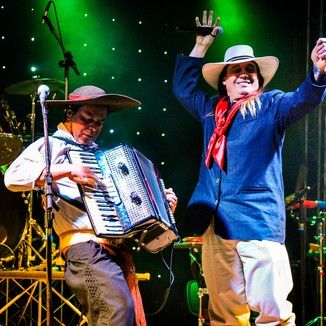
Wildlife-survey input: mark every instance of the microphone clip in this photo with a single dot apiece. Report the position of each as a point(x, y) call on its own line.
point(296, 199)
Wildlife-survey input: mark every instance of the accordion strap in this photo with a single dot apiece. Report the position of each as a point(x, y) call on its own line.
point(72, 202)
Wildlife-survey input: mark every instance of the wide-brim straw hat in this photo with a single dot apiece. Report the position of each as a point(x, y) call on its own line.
point(92, 95)
point(237, 54)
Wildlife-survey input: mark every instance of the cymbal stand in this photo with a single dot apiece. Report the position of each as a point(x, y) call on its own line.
point(28, 200)
point(321, 239)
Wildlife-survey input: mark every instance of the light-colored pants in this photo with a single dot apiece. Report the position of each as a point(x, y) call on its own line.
point(246, 275)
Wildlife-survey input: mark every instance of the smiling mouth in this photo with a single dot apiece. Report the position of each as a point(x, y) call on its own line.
point(244, 82)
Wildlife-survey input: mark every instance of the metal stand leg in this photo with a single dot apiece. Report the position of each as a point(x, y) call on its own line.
point(32, 253)
point(201, 293)
point(321, 240)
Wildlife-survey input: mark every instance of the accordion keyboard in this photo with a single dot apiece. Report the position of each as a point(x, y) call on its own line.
point(100, 201)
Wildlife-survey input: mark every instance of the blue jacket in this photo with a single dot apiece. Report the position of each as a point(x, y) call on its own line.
point(247, 198)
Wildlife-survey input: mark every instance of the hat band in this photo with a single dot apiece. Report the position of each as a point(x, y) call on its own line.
point(241, 57)
point(78, 97)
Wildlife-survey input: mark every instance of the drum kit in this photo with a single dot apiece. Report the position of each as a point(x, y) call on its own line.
point(18, 227)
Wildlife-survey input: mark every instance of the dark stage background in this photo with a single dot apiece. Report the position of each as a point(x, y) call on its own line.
point(129, 47)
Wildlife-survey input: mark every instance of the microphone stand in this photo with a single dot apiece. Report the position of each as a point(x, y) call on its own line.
point(298, 199)
point(303, 241)
point(48, 215)
point(321, 273)
point(68, 61)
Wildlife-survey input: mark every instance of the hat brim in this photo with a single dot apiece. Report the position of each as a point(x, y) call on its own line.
point(114, 102)
point(267, 65)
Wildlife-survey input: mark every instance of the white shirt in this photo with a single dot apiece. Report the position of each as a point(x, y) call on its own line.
point(29, 165)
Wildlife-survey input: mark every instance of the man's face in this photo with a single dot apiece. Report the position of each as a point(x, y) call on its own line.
point(241, 79)
point(86, 124)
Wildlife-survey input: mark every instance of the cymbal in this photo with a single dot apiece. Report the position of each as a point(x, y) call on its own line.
point(29, 87)
point(10, 147)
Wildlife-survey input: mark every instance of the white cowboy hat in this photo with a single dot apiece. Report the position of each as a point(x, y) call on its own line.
point(92, 95)
point(238, 54)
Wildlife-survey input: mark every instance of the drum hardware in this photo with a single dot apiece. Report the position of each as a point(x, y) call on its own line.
point(196, 286)
point(295, 204)
point(11, 143)
point(320, 237)
point(9, 117)
point(8, 259)
point(29, 87)
point(32, 225)
point(11, 146)
point(3, 234)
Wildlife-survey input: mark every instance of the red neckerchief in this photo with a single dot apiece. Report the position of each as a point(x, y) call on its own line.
point(217, 143)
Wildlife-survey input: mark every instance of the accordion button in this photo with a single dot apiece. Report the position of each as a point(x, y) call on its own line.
point(135, 199)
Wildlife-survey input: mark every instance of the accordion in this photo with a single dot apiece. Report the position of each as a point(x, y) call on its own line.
point(131, 202)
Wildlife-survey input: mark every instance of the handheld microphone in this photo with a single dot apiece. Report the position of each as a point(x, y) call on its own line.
point(292, 200)
point(199, 30)
point(46, 11)
point(43, 92)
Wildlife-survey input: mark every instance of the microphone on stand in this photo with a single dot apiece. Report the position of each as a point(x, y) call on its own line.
point(43, 92)
point(46, 11)
point(199, 30)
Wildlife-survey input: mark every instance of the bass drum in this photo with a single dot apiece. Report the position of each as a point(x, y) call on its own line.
point(13, 220)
